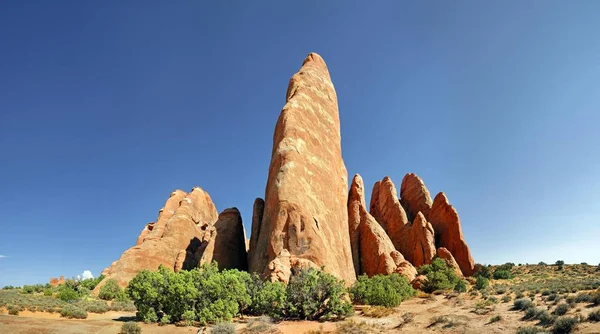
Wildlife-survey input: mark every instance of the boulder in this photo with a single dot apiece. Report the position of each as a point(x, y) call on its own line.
point(448, 233)
point(418, 282)
point(305, 214)
point(414, 196)
point(172, 242)
point(445, 255)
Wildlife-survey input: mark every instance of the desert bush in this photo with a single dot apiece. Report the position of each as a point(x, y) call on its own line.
point(13, 309)
point(382, 290)
point(481, 283)
point(354, 327)
point(378, 311)
point(561, 309)
point(530, 330)
point(482, 270)
point(131, 327)
point(260, 325)
point(223, 328)
point(460, 286)
point(71, 311)
point(522, 304)
point(500, 289)
point(188, 317)
point(122, 306)
point(29, 289)
point(506, 298)
point(165, 320)
point(67, 293)
point(94, 306)
point(110, 290)
point(502, 274)
point(552, 296)
point(594, 316)
point(495, 319)
point(266, 297)
point(90, 283)
point(519, 295)
point(314, 294)
point(564, 325)
point(439, 276)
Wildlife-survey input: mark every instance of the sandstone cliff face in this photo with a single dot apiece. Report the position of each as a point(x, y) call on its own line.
point(186, 226)
point(305, 212)
point(414, 196)
point(371, 246)
point(448, 233)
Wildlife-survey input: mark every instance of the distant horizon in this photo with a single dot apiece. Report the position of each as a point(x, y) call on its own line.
point(107, 108)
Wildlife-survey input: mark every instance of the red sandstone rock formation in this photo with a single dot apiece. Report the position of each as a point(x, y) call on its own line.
point(305, 212)
point(414, 196)
point(444, 254)
point(422, 241)
point(448, 233)
point(57, 281)
point(372, 250)
point(415, 241)
point(184, 229)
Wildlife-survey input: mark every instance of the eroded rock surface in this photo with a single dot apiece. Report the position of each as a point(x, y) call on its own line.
point(445, 255)
point(179, 229)
point(448, 233)
point(414, 196)
point(422, 242)
point(305, 213)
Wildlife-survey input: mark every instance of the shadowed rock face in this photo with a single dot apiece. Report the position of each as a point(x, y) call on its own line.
point(226, 242)
point(448, 233)
point(304, 223)
point(422, 241)
point(257, 216)
point(186, 226)
point(371, 246)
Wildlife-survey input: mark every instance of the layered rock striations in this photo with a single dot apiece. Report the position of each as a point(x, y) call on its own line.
point(305, 217)
point(186, 227)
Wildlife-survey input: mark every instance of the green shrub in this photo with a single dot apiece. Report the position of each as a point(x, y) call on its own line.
point(223, 328)
point(594, 316)
point(70, 311)
point(188, 317)
point(67, 293)
point(564, 325)
point(506, 298)
point(482, 270)
point(266, 297)
point(502, 274)
point(522, 304)
point(481, 283)
point(381, 290)
point(91, 283)
point(439, 276)
point(110, 290)
point(131, 327)
point(314, 294)
point(561, 309)
point(48, 292)
point(165, 320)
point(13, 310)
point(150, 316)
point(460, 286)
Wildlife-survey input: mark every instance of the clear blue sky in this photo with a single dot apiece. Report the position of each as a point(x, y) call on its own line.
point(106, 107)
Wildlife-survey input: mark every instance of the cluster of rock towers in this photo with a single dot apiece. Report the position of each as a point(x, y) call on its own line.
point(308, 218)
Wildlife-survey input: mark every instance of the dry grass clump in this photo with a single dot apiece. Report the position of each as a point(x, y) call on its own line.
point(378, 312)
point(354, 327)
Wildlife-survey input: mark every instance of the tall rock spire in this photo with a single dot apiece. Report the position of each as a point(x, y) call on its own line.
point(304, 223)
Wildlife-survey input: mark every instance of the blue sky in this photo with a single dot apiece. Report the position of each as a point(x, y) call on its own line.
point(106, 107)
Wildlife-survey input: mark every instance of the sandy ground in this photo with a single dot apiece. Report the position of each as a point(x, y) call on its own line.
point(424, 310)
